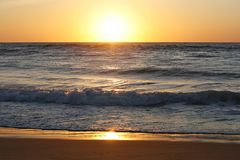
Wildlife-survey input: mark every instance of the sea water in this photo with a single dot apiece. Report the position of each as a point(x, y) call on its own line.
point(137, 87)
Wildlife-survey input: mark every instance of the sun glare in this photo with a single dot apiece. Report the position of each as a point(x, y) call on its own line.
point(111, 136)
point(112, 29)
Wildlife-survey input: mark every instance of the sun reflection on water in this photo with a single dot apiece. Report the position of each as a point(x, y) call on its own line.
point(112, 136)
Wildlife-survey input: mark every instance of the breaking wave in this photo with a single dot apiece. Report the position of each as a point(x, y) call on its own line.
point(112, 98)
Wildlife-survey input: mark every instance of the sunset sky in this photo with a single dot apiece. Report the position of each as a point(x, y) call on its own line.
point(120, 20)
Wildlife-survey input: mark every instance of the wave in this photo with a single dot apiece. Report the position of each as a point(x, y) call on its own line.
point(202, 56)
point(99, 97)
point(172, 72)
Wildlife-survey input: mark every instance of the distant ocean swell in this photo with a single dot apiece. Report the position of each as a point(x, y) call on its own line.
point(111, 98)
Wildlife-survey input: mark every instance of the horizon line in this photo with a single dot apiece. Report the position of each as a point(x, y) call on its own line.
point(119, 42)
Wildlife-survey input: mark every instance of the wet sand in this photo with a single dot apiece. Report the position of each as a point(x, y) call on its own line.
point(58, 149)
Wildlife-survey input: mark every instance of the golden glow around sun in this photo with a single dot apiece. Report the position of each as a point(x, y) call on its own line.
point(112, 28)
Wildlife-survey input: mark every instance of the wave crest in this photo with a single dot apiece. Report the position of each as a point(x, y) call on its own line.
point(111, 98)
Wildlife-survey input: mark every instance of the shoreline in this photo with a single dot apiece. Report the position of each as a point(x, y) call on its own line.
point(6, 132)
point(28, 144)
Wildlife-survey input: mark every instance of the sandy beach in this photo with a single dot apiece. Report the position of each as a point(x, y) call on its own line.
point(53, 149)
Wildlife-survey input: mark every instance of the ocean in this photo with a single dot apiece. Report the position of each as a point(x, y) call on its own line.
point(132, 87)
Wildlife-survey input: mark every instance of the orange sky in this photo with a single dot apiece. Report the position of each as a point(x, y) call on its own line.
point(144, 20)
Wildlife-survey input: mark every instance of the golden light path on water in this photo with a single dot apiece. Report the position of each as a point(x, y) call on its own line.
point(112, 136)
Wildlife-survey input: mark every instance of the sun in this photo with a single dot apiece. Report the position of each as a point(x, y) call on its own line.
point(112, 28)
